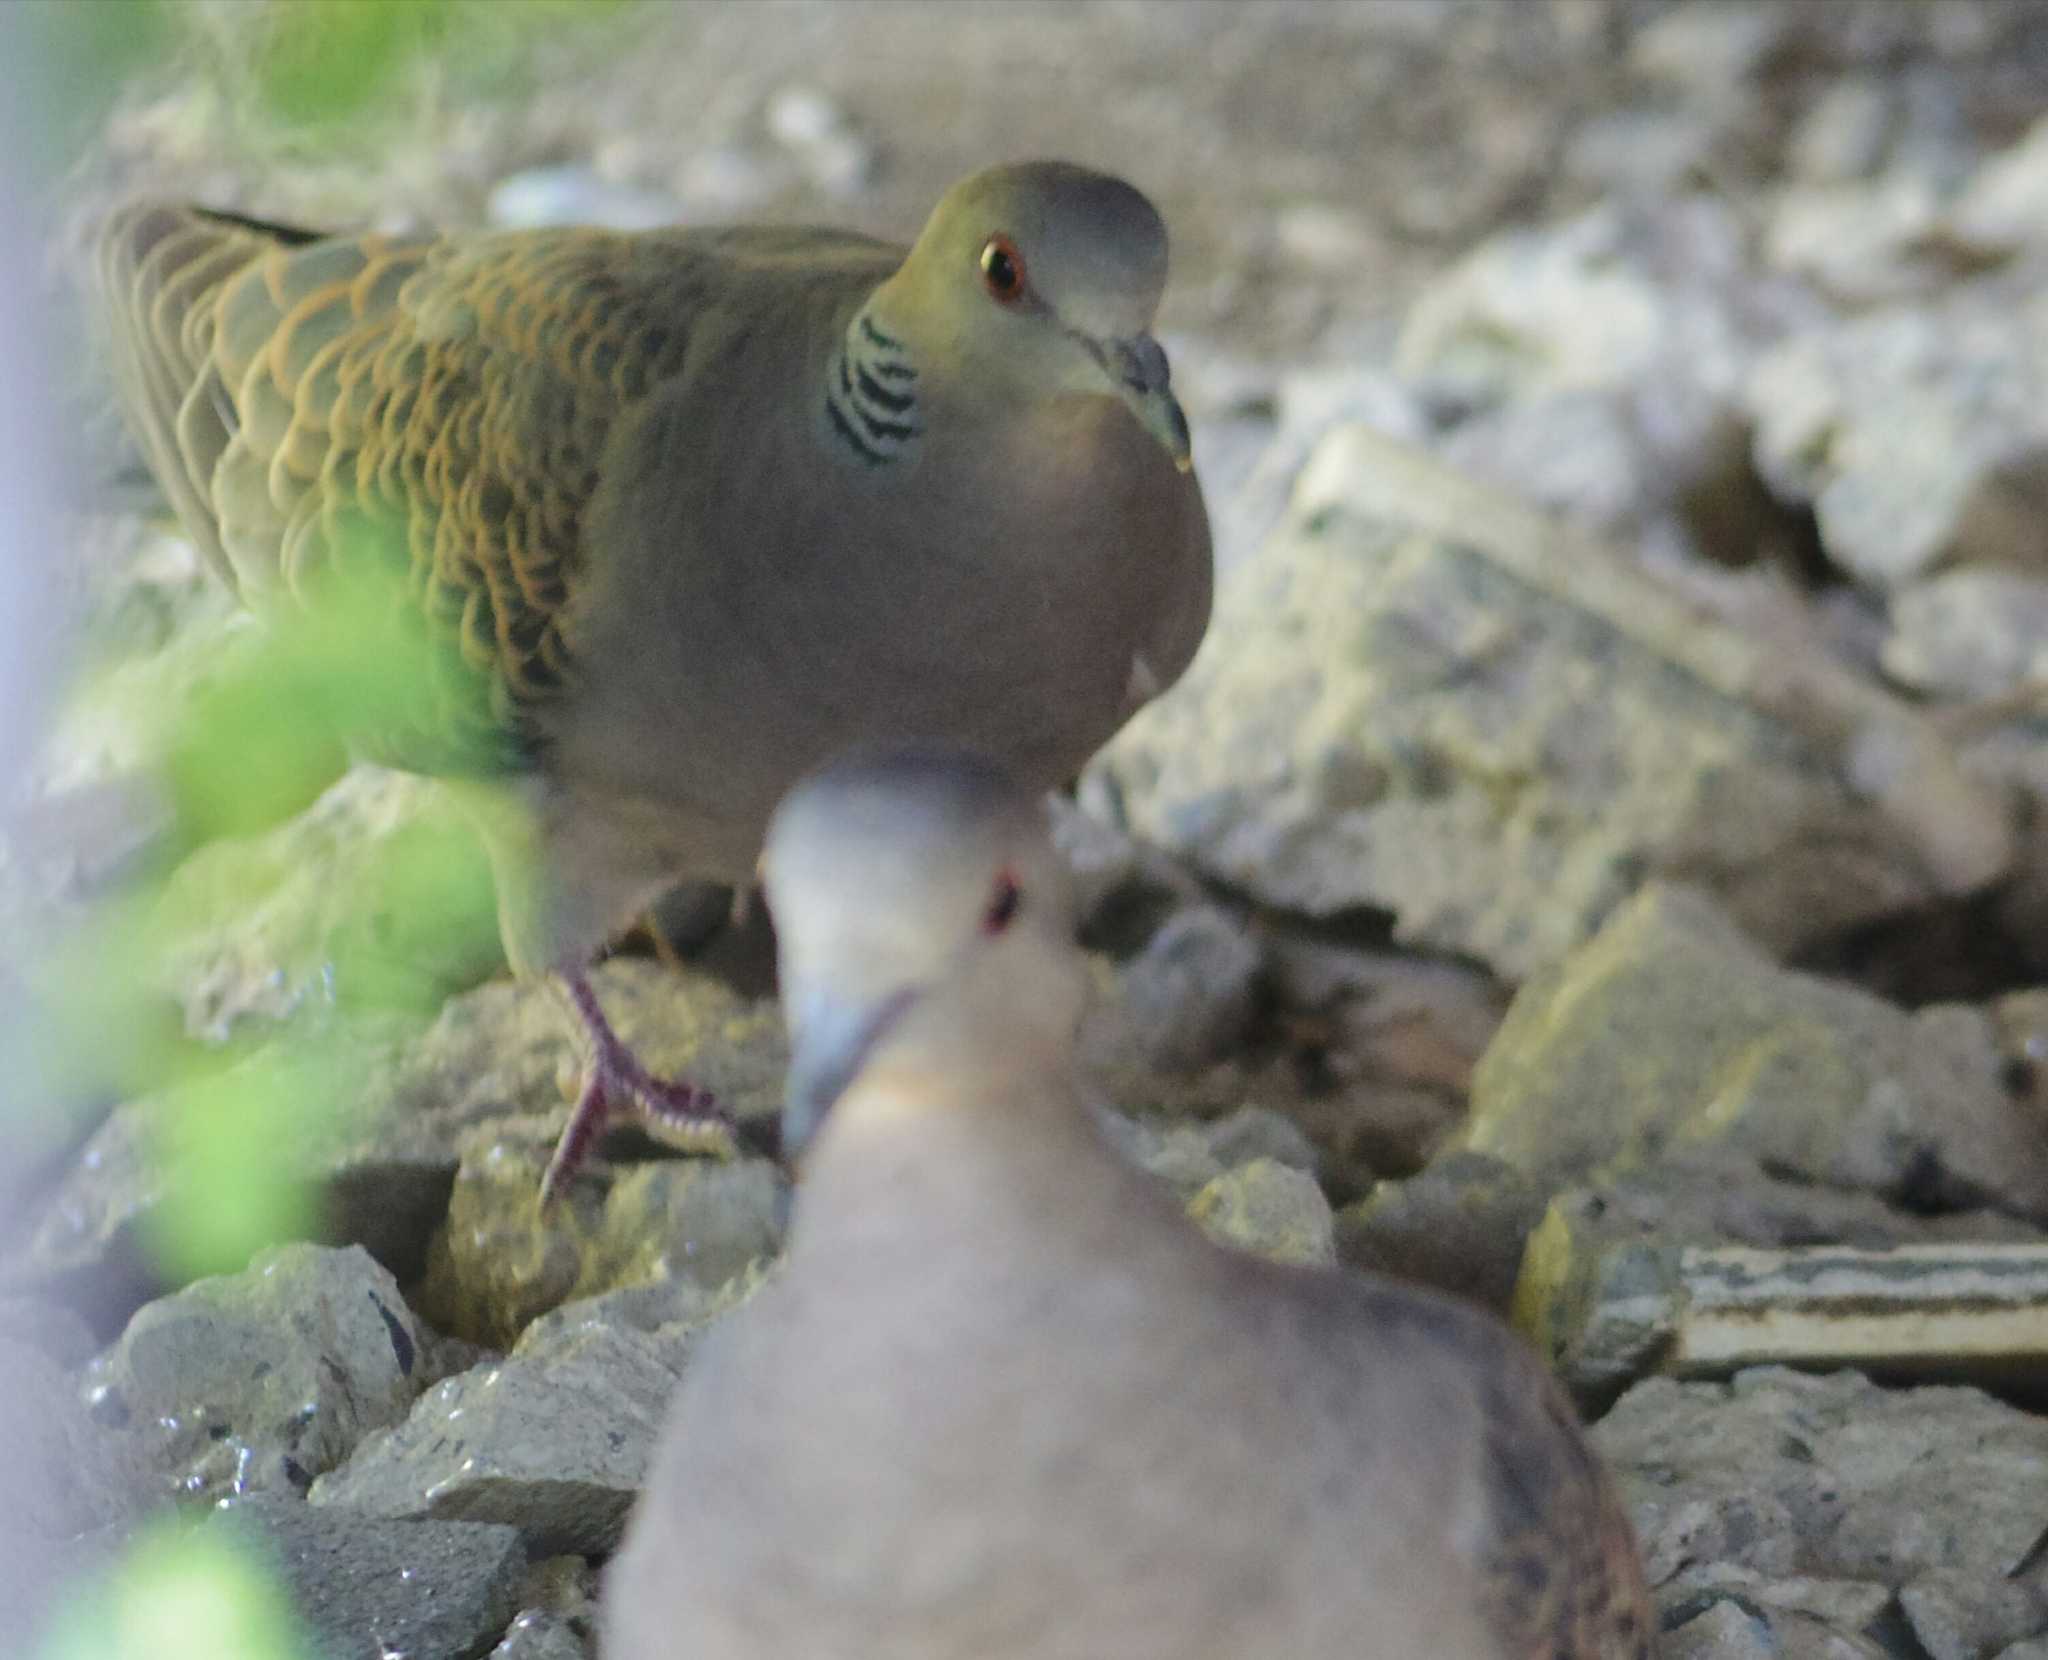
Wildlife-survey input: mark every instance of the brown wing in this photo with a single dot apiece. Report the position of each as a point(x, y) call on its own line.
point(429, 413)
point(1562, 1576)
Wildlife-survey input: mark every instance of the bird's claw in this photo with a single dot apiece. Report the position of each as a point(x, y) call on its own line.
point(619, 1083)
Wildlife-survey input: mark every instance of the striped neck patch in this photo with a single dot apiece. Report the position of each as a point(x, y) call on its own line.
point(871, 395)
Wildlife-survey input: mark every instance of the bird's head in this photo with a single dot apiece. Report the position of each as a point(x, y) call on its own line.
point(1043, 278)
point(922, 916)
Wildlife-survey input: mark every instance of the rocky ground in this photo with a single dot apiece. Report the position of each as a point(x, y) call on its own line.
point(1597, 863)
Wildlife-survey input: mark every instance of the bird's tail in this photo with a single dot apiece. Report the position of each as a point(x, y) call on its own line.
point(161, 268)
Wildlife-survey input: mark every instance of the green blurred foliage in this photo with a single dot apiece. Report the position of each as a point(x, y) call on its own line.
point(230, 1187)
point(343, 666)
point(319, 62)
point(179, 1595)
point(297, 71)
point(273, 727)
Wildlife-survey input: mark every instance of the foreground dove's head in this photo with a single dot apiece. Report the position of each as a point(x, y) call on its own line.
point(921, 917)
point(1042, 278)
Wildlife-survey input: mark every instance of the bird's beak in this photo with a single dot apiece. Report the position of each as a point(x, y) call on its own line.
point(830, 1042)
point(1139, 365)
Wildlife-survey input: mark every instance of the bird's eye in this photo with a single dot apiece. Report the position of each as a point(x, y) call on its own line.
point(1002, 904)
point(1002, 269)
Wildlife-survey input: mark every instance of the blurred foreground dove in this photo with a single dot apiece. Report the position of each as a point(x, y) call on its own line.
point(1003, 1402)
point(673, 516)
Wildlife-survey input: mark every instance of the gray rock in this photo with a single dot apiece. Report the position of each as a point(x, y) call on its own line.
point(2034, 1648)
point(1686, 1267)
point(1730, 1625)
point(1958, 1615)
point(1586, 451)
point(1178, 1154)
point(1387, 1043)
point(539, 1635)
point(552, 1442)
point(379, 1112)
point(1726, 1630)
point(1371, 1075)
point(2005, 207)
point(1713, 49)
point(1260, 1133)
point(1866, 242)
point(1875, 169)
point(1386, 720)
point(1711, 1195)
point(1126, 890)
point(1190, 995)
point(1973, 632)
point(1790, 1476)
point(258, 1382)
point(1658, 297)
point(369, 1587)
point(1325, 237)
point(1270, 1209)
point(64, 1475)
point(1647, 150)
point(1115, 1057)
point(1309, 401)
point(510, 1048)
point(1919, 434)
point(498, 1262)
point(323, 1122)
point(657, 1308)
point(1187, 1157)
point(563, 1586)
point(1459, 1227)
point(1847, 1604)
point(1671, 1029)
point(159, 624)
point(377, 896)
point(1845, 133)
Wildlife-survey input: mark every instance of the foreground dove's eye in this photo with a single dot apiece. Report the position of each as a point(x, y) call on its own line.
point(1002, 904)
point(1002, 268)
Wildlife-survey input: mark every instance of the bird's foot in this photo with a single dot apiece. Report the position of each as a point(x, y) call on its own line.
point(616, 1082)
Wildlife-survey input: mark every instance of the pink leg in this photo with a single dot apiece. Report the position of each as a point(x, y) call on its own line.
point(616, 1081)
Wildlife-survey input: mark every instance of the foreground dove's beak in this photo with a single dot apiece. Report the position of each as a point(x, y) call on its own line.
point(1146, 383)
point(830, 1041)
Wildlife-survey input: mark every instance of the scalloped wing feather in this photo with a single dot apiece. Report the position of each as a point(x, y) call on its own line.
point(432, 412)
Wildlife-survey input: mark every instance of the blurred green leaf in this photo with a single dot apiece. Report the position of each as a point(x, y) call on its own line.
point(181, 1595)
point(321, 60)
point(249, 733)
point(234, 1179)
point(311, 67)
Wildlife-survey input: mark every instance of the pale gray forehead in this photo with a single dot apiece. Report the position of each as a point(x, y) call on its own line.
point(922, 814)
point(1095, 247)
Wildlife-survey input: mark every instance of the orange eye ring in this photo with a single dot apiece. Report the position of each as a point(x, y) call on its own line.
point(1002, 270)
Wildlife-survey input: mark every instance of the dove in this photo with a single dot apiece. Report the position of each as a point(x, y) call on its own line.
point(673, 516)
point(1000, 1399)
